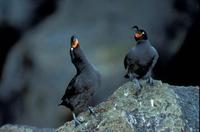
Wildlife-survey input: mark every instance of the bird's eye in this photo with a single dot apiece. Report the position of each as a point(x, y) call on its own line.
point(142, 32)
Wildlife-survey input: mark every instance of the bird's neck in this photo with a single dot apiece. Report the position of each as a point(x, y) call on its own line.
point(142, 42)
point(82, 62)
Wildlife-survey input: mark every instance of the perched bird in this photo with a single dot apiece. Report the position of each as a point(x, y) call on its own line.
point(80, 90)
point(141, 59)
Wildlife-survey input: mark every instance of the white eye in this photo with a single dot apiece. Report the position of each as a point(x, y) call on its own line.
point(142, 32)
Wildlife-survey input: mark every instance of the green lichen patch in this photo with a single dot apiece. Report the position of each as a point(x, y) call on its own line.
point(155, 109)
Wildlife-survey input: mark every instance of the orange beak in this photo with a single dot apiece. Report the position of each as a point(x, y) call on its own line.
point(75, 43)
point(138, 35)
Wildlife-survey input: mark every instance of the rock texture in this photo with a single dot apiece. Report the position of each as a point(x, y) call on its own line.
point(159, 108)
point(188, 99)
point(16, 128)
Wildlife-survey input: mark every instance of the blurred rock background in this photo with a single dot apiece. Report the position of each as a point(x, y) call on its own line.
point(35, 65)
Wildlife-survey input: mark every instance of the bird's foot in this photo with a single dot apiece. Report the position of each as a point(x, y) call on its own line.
point(133, 78)
point(91, 110)
point(150, 81)
point(138, 86)
point(76, 121)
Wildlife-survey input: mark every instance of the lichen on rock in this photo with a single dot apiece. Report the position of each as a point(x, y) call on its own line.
point(158, 108)
point(155, 109)
point(20, 128)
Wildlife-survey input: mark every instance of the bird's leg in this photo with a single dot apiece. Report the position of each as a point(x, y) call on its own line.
point(136, 83)
point(148, 75)
point(76, 121)
point(130, 77)
point(138, 86)
point(150, 81)
point(148, 78)
point(91, 110)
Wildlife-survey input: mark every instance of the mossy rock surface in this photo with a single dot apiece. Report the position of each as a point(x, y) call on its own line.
point(158, 108)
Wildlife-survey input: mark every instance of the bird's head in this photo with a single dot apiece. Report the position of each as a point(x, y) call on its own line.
point(74, 42)
point(139, 34)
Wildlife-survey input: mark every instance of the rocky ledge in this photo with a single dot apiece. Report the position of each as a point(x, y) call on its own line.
point(162, 108)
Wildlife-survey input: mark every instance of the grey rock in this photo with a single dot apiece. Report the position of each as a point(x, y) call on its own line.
point(159, 108)
point(17, 128)
point(189, 102)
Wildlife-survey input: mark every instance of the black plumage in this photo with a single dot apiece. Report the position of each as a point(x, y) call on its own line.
point(80, 90)
point(141, 59)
